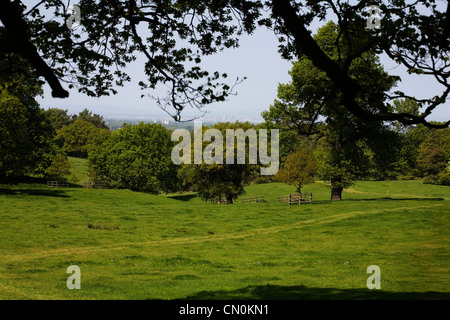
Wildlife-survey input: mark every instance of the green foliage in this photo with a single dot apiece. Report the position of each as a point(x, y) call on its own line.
point(410, 141)
point(75, 138)
point(222, 181)
point(95, 61)
point(311, 104)
point(26, 138)
point(136, 157)
point(27, 145)
point(299, 168)
point(21, 81)
point(341, 173)
point(414, 36)
point(219, 181)
point(434, 157)
point(58, 117)
point(14, 143)
point(95, 119)
point(173, 45)
point(59, 167)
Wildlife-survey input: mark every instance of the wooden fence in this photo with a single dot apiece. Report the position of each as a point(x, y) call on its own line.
point(296, 198)
point(90, 184)
point(253, 199)
point(57, 184)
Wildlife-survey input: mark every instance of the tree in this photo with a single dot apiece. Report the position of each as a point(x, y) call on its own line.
point(174, 36)
point(341, 171)
point(95, 119)
point(299, 168)
point(434, 157)
point(75, 138)
point(26, 144)
point(419, 41)
point(60, 166)
point(222, 181)
point(219, 181)
point(15, 146)
point(26, 138)
point(410, 141)
point(310, 104)
point(136, 157)
point(20, 85)
point(58, 117)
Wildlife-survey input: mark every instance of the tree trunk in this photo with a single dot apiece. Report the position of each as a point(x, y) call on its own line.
point(336, 188)
point(336, 193)
point(229, 199)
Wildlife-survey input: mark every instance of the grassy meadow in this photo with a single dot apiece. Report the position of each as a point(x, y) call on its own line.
point(132, 245)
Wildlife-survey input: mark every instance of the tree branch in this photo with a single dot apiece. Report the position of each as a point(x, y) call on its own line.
point(305, 44)
point(17, 34)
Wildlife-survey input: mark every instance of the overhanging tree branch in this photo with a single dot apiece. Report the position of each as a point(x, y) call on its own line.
point(17, 36)
point(305, 44)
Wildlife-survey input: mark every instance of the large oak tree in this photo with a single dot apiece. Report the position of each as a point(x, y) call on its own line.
point(312, 104)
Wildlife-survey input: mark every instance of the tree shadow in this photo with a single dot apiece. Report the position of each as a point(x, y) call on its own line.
point(397, 199)
point(35, 192)
point(377, 199)
point(184, 197)
point(275, 292)
point(22, 179)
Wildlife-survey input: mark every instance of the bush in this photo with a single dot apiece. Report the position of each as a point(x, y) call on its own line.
point(136, 157)
point(59, 167)
point(444, 178)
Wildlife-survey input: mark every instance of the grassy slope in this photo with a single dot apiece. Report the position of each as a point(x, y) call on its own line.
point(78, 170)
point(137, 246)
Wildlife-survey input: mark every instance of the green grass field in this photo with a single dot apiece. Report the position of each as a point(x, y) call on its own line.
point(131, 245)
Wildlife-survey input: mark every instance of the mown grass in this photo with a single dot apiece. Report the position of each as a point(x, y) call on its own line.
point(131, 245)
point(78, 171)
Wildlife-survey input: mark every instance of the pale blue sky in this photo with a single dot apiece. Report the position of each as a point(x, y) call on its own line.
point(257, 59)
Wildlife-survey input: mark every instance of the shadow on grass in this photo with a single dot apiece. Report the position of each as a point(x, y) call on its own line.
point(378, 199)
point(397, 199)
point(35, 192)
point(24, 179)
point(274, 292)
point(184, 197)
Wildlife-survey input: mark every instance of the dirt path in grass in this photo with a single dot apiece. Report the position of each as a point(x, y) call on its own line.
point(39, 254)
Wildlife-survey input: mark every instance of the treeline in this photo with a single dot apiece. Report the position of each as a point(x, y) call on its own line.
point(319, 137)
point(36, 142)
point(310, 114)
point(138, 157)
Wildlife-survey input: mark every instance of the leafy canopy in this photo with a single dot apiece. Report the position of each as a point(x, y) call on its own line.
point(136, 157)
point(299, 168)
point(174, 36)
